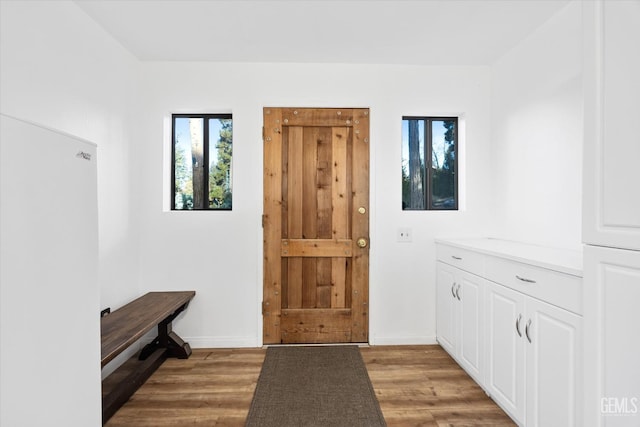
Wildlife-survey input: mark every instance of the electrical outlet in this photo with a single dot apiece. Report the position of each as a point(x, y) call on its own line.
point(404, 234)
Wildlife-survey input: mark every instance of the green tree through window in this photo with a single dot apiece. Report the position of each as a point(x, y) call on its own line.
point(429, 163)
point(220, 171)
point(202, 162)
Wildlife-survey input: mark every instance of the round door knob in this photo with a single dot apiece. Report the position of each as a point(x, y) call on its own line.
point(362, 242)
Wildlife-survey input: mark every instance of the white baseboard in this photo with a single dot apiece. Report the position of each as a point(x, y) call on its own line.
point(222, 342)
point(408, 340)
point(243, 342)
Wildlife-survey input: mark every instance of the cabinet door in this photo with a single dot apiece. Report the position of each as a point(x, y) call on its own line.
point(446, 306)
point(470, 339)
point(505, 374)
point(554, 389)
point(611, 346)
point(611, 208)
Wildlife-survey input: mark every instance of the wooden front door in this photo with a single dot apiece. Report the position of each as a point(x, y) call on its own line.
point(316, 225)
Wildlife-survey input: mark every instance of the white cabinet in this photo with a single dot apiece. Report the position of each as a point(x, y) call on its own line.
point(460, 317)
point(470, 294)
point(612, 344)
point(611, 214)
point(553, 365)
point(446, 306)
point(505, 376)
point(515, 325)
point(533, 347)
point(50, 302)
point(611, 209)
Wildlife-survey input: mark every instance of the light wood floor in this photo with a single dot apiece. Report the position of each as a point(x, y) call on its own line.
point(415, 385)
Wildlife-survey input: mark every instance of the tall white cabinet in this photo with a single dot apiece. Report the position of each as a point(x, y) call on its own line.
point(612, 128)
point(612, 337)
point(49, 298)
point(611, 213)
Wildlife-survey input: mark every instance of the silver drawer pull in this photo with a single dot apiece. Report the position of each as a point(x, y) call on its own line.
point(526, 330)
point(452, 291)
point(456, 257)
point(524, 279)
point(458, 292)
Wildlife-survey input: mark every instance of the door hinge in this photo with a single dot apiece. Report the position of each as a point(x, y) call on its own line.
point(263, 221)
point(262, 133)
point(264, 307)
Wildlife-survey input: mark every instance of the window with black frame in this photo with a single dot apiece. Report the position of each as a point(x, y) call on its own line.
point(429, 163)
point(201, 169)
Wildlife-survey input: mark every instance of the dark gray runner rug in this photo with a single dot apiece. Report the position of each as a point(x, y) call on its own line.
point(314, 386)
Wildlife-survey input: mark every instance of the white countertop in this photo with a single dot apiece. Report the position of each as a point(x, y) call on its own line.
point(562, 260)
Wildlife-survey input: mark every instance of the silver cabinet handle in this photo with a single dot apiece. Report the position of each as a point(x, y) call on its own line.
point(518, 325)
point(456, 257)
point(458, 292)
point(452, 291)
point(526, 330)
point(524, 279)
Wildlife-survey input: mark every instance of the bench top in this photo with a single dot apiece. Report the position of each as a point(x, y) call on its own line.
point(130, 322)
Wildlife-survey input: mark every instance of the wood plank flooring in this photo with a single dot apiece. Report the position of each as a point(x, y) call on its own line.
point(415, 385)
point(424, 386)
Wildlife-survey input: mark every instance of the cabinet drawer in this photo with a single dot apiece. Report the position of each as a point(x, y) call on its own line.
point(560, 289)
point(473, 262)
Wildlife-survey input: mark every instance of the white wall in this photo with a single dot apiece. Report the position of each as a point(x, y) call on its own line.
point(219, 254)
point(537, 135)
point(59, 69)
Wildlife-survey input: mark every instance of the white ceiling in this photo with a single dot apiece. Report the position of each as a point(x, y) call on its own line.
point(421, 32)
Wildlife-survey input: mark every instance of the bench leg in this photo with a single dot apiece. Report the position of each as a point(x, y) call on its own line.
point(117, 389)
point(169, 340)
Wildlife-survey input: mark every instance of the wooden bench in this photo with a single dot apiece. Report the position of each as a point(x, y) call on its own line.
point(128, 324)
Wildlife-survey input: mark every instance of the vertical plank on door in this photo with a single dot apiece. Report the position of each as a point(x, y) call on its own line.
point(294, 206)
point(284, 299)
point(340, 215)
point(309, 213)
point(324, 215)
point(360, 227)
point(349, 196)
point(272, 221)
